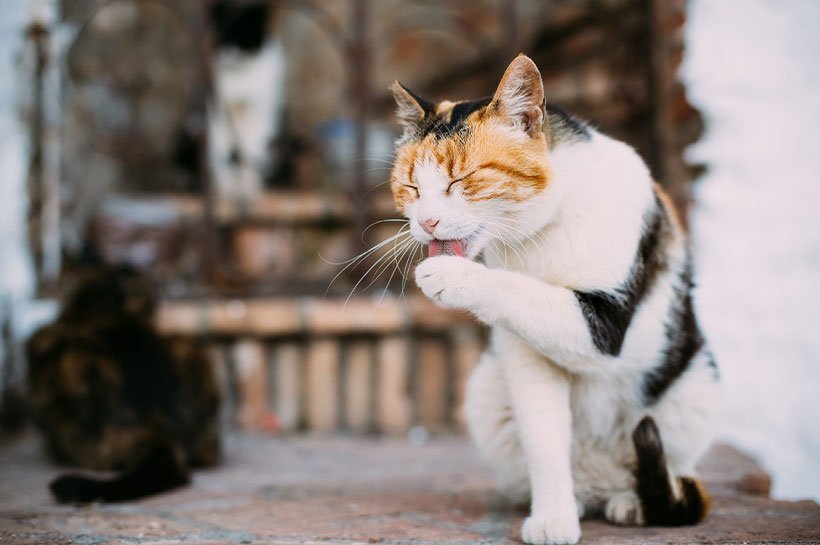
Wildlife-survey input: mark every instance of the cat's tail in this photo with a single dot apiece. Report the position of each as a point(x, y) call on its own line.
point(665, 502)
point(159, 470)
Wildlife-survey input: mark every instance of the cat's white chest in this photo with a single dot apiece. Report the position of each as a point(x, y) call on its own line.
point(603, 417)
point(601, 404)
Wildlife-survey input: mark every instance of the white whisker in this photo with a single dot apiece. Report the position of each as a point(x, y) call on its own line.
point(397, 267)
point(353, 262)
point(388, 220)
point(378, 261)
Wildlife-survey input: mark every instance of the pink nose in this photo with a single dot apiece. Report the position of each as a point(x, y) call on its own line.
point(429, 225)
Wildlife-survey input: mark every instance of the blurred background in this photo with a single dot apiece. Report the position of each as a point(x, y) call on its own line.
point(236, 151)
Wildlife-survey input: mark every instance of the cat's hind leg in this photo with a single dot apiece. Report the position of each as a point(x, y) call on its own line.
point(492, 426)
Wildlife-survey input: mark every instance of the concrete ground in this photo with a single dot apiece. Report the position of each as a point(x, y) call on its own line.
point(306, 490)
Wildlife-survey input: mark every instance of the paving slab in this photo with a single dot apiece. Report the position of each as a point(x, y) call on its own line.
point(305, 490)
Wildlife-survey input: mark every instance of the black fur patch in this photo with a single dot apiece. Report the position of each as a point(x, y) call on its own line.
point(608, 315)
point(607, 318)
point(428, 107)
point(564, 127)
point(683, 341)
point(654, 488)
point(240, 25)
point(442, 126)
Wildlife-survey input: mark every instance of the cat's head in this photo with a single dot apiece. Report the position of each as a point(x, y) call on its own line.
point(109, 293)
point(469, 172)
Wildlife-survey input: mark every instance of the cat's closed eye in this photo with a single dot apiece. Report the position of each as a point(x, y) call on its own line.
point(412, 188)
point(451, 184)
point(457, 180)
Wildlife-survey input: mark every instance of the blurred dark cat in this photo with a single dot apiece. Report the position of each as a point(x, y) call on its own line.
point(110, 394)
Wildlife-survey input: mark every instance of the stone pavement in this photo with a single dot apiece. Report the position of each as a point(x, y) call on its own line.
point(305, 490)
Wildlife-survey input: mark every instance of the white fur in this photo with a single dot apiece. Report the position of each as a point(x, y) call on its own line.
point(248, 98)
point(551, 413)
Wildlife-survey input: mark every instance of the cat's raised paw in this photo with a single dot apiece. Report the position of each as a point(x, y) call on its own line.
point(551, 529)
point(451, 281)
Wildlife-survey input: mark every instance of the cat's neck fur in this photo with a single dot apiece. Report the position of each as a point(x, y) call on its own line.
point(591, 209)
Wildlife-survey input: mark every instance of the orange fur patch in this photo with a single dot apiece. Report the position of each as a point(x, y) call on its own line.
point(494, 162)
point(669, 206)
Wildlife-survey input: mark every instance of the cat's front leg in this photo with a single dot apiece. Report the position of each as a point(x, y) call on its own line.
point(539, 391)
point(546, 316)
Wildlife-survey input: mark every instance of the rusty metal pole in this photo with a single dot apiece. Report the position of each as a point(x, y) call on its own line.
point(359, 66)
point(39, 36)
point(509, 16)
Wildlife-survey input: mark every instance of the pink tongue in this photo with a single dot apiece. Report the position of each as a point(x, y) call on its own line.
point(446, 247)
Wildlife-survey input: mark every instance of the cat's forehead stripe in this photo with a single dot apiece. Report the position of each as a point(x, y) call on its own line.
point(449, 117)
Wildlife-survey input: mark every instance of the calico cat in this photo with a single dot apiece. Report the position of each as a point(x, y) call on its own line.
point(597, 393)
point(109, 393)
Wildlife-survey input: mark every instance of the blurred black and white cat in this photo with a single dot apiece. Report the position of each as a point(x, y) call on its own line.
point(249, 93)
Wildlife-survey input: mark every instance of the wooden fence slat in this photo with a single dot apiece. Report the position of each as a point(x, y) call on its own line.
point(393, 388)
point(467, 348)
point(221, 364)
point(431, 394)
point(288, 385)
point(322, 380)
point(358, 386)
point(250, 358)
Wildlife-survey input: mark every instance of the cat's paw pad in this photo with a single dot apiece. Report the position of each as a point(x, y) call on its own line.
point(551, 529)
point(624, 509)
point(449, 280)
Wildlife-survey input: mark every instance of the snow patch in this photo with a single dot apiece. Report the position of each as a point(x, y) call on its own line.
point(752, 69)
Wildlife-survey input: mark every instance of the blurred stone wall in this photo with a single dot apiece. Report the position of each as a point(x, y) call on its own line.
point(130, 74)
point(251, 276)
point(613, 62)
point(128, 71)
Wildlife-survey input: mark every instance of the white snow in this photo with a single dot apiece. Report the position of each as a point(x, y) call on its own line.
point(15, 275)
point(15, 268)
point(753, 68)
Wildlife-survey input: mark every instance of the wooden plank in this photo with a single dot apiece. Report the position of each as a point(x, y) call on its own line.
point(393, 388)
point(254, 317)
point(275, 207)
point(270, 316)
point(427, 315)
point(280, 316)
point(358, 315)
point(322, 385)
point(358, 386)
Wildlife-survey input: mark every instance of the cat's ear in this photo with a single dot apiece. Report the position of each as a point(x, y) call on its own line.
point(411, 108)
point(520, 96)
